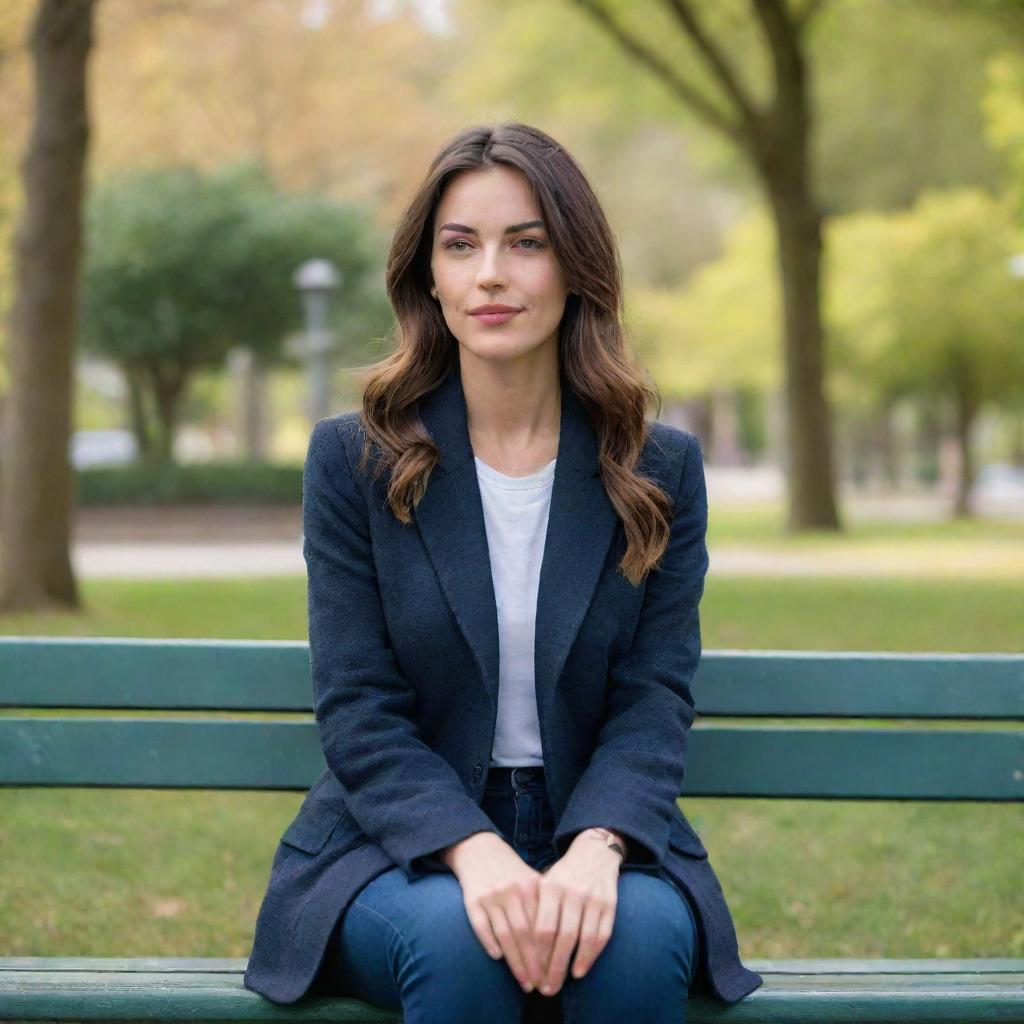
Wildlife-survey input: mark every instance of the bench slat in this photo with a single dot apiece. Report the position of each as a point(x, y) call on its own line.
point(982, 990)
point(128, 673)
point(926, 966)
point(768, 761)
point(166, 675)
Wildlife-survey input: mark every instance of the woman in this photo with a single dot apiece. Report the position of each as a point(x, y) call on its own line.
point(505, 562)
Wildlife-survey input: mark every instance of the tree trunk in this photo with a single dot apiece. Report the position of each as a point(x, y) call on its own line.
point(888, 447)
point(809, 430)
point(966, 410)
point(725, 443)
point(1017, 444)
point(137, 411)
point(929, 441)
point(168, 391)
point(38, 484)
point(859, 451)
point(778, 142)
point(250, 378)
point(775, 136)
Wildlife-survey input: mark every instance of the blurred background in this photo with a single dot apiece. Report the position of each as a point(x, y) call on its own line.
point(820, 209)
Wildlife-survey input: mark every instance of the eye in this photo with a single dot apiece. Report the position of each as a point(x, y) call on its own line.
point(537, 243)
point(458, 241)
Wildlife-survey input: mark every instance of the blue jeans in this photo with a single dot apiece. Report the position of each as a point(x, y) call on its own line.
point(410, 947)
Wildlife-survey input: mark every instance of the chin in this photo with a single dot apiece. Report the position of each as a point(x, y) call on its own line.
point(500, 350)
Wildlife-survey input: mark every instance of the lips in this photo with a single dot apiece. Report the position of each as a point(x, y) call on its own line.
point(494, 315)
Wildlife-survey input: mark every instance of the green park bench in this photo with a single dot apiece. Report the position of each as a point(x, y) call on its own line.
point(927, 758)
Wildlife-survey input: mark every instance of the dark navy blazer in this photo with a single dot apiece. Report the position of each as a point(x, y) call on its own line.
point(403, 637)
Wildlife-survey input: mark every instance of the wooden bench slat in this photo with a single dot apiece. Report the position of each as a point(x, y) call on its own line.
point(770, 761)
point(129, 673)
point(926, 966)
point(820, 990)
point(860, 685)
point(166, 675)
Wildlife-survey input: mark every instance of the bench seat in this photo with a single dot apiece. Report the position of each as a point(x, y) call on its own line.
point(89, 988)
point(950, 730)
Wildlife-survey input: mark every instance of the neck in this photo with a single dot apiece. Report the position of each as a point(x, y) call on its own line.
point(513, 409)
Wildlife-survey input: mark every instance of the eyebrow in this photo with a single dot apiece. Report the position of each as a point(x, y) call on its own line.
point(510, 230)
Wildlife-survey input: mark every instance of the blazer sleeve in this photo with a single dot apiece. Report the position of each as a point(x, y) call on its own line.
point(641, 747)
point(403, 795)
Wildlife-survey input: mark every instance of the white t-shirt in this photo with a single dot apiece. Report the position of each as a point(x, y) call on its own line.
point(516, 518)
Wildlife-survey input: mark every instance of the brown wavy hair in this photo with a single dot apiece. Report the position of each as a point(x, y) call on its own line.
point(594, 357)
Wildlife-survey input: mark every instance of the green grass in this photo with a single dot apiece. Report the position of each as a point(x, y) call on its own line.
point(764, 523)
point(864, 614)
point(137, 873)
point(737, 612)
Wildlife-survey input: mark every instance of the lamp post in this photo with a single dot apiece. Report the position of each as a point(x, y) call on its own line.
point(316, 280)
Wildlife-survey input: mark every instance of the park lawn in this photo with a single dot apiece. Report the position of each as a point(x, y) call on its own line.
point(153, 873)
point(798, 613)
point(763, 523)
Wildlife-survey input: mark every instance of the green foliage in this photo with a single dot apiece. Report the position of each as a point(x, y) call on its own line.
point(196, 483)
point(722, 329)
point(1004, 120)
point(181, 265)
point(922, 302)
point(916, 303)
point(892, 117)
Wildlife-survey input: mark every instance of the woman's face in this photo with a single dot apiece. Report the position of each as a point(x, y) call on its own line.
point(477, 261)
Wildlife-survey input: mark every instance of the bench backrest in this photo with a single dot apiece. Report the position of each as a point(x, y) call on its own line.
point(897, 734)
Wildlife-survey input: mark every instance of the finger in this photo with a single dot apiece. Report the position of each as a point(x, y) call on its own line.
point(530, 905)
point(568, 933)
point(507, 941)
point(595, 930)
point(481, 925)
point(523, 933)
point(545, 926)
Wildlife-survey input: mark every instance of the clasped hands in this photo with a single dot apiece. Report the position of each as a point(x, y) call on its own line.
point(534, 919)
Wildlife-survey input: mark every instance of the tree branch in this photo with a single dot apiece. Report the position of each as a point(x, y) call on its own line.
point(713, 57)
point(782, 36)
point(801, 19)
point(698, 103)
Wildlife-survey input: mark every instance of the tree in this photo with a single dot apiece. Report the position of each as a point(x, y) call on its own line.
point(36, 492)
point(184, 265)
point(774, 136)
point(933, 311)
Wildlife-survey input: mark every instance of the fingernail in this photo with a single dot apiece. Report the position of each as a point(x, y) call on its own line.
point(546, 990)
point(528, 987)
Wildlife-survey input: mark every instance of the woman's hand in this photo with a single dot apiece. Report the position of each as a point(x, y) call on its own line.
point(578, 897)
point(500, 891)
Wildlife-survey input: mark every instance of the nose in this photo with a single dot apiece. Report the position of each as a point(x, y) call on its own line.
point(490, 272)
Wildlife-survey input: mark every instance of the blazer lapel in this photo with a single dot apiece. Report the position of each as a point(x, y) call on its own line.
point(450, 519)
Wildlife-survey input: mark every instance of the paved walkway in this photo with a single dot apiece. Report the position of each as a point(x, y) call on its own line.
point(266, 540)
point(187, 559)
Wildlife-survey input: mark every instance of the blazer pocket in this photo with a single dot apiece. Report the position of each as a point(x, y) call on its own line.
point(315, 823)
point(683, 837)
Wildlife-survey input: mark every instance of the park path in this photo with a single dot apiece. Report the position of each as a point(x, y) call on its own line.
point(191, 543)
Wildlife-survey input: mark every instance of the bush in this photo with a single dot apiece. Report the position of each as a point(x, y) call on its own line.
point(239, 482)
